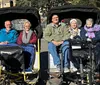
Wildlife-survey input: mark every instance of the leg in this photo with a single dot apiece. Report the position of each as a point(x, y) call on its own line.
point(66, 53)
point(53, 50)
point(29, 56)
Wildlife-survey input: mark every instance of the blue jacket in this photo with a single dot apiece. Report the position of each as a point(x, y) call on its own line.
point(11, 36)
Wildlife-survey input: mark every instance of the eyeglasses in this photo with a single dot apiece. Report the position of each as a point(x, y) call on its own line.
point(26, 26)
point(8, 24)
point(54, 17)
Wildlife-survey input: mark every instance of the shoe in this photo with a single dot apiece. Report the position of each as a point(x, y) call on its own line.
point(58, 68)
point(28, 71)
point(66, 70)
point(73, 69)
point(2, 67)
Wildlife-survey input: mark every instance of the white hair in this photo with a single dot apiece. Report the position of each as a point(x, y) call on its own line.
point(27, 22)
point(90, 20)
point(73, 20)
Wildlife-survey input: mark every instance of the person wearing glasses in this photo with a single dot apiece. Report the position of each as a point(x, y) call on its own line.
point(27, 39)
point(8, 34)
point(57, 36)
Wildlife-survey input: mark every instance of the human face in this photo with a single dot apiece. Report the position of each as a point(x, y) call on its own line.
point(73, 24)
point(8, 25)
point(55, 19)
point(89, 24)
point(27, 26)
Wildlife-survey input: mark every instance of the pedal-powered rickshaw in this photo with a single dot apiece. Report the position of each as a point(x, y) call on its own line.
point(11, 73)
point(81, 13)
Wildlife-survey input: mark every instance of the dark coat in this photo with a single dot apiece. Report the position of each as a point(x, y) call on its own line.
point(97, 45)
point(83, 32)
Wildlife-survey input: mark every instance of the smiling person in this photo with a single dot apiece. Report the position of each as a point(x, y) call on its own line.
point(73, 28)
point(7, 34)
point(91, 31)
point(27, 36)
point(57, 35)
point(28, 39)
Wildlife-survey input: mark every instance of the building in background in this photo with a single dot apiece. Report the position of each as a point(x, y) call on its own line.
point(6, 3)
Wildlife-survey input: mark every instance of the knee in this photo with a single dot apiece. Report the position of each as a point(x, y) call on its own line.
point(66, 44)
point(51, 45)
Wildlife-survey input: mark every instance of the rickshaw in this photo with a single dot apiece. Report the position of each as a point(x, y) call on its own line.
point(17, 15)
point(81, 13)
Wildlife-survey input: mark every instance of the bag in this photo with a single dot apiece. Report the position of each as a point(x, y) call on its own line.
point(12, 57)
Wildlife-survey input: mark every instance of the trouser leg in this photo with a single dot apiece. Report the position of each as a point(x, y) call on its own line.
point(53, 50)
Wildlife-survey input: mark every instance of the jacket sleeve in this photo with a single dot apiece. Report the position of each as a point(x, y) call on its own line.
point(66, 33)
point(19, 39)
point(48, 33)
point(14, 38)
point(97, 36)
point(83, 33)
point(33, 38)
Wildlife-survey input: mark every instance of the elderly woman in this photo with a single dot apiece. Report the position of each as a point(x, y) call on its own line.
point(27, 36)
point(75, 32)
point(91, 31)
point(73, 28)
point(27, 39)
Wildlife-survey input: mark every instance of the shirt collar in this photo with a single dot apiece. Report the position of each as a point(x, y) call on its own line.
point(8, 31)
point(59, 24)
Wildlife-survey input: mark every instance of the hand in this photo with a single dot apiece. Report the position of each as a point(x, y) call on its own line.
point(57, 43)
point(88, 39)
point(1, 43)
point(61, 42)
point(4, 43)
point(71, 37)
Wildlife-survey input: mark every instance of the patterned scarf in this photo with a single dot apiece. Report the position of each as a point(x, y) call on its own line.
point(26, 36)
point(91, 30)
point(74, 32)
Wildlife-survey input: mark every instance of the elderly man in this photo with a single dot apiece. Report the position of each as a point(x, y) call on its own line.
point(7, 34)
point(57, 35)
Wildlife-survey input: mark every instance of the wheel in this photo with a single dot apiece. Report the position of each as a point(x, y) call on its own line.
point(2, 80)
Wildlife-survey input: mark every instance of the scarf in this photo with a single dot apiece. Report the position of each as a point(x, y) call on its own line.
point(91, 30)
point(26, 36)
point(74, 32)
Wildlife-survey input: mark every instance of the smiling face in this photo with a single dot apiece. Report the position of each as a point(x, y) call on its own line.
point(7, 25)
point(73, 24)
point(89, 24)
point(27, 26)
point(55, 19)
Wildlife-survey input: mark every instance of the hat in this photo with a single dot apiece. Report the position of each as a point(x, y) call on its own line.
point(73, 20)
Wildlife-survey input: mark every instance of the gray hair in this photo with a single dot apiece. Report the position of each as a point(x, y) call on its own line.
point(27, 22)
point(90, 20)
